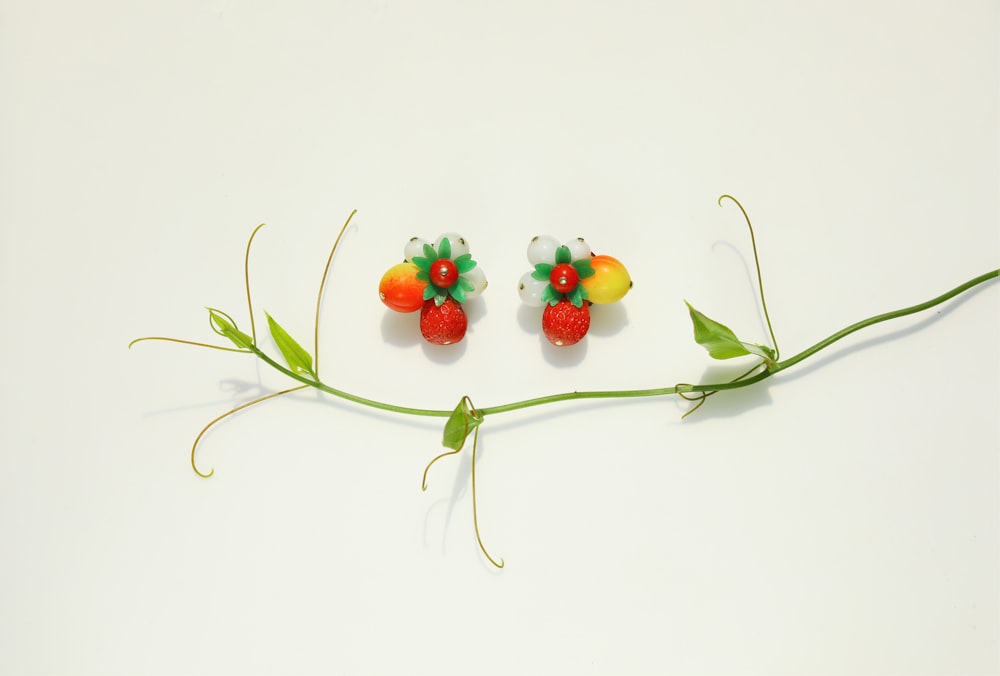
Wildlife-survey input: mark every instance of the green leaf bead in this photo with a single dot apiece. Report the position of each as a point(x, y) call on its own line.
point(583, 268)
point(576, 296)
point(542, 272)
point(464, 263)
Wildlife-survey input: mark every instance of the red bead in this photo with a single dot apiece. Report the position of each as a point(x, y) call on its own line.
point(564, 278)
point(444, 273)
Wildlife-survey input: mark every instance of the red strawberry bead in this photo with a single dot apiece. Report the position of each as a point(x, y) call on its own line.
point(565, 324)
point(443, 324)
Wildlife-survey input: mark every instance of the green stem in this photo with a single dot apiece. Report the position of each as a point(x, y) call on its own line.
point(654, 392)
point(877, 319)
point(347, 395)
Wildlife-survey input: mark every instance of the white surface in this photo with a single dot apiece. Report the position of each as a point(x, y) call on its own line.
point(842, 518)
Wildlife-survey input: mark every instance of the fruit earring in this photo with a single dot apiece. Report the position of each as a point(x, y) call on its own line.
point(567, 279)
point(435, 279)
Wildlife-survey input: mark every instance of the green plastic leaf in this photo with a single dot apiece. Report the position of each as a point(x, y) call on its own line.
point(549, 295)
point(224, 325)
point(462, 422)
point(440, 298)
point(583, 268)
point(423, 275)
point(576, 296)
point(430, 253)
point(297, 358)
point(464, 263)
point(542, 272)
point(422, 262)
point(444, 249)
point(717, 338)
point(429, 292)
point(466, 285)
point(563, 255)
point(457, 292)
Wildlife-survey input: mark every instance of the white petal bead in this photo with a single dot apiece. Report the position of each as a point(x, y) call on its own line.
point(415, 247)
point(579, 249)
point(531, 290)
point(478, 279)
point(459, 247)
point(542, 249)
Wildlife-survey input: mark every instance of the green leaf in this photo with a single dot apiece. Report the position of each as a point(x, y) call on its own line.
point(542, 272)
point(464, 263)
point(549, 295)
point(576, 296)
point(457, 292)
point(717, 338)
point(563, 255)
point(462, 422)
point(430, 254)
point(583, 268)
point(422, 262)
point(444, 249)
point(423, 275)
point(224, 325)
point(297, 358)
point(466, 285)
point(762, 351)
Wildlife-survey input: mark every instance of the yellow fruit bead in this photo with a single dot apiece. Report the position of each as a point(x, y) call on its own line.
point(400, 289)
point(610, 281)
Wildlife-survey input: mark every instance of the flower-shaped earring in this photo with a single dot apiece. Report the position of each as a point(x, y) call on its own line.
point(567, 279)
point(435, 279)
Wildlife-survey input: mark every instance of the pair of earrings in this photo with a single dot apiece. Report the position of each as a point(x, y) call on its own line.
point(566, 279)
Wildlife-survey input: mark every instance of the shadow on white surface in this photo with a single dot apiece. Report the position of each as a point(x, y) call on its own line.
point(608, 320)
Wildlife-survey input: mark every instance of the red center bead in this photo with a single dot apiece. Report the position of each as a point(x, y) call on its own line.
point(564, 278)
point(444, 273)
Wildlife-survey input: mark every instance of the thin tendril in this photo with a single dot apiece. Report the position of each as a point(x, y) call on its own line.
point(475, 513)
point(189, 342)
point(246, 278)
point(700, 397)
point(423, 482)
point(194, 446)
point(319, 296)
point(760, 282)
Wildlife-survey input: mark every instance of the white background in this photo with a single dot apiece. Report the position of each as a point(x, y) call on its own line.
point(840, 518)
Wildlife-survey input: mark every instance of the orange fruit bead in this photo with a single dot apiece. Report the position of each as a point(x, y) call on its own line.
point(400, 289)
point(610, 281)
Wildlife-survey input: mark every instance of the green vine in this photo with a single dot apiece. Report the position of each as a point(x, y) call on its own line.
point(465, 419)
